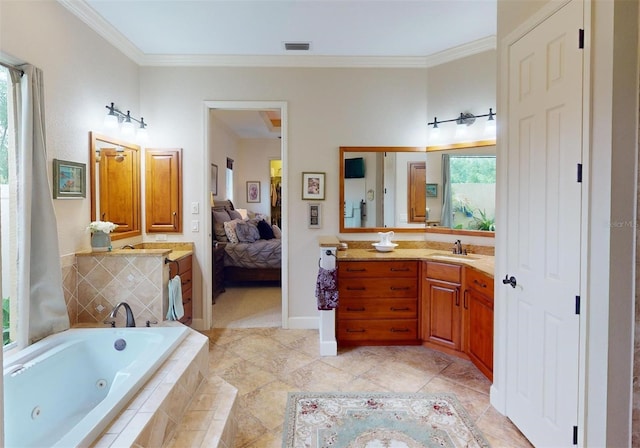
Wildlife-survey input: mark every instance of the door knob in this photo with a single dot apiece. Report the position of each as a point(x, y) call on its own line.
point(509, 281)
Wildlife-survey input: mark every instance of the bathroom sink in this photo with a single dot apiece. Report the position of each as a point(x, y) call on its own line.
point(455, 257)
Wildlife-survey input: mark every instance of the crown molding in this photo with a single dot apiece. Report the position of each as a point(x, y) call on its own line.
point(461, 51)
point(84, 12)
point(303, 61)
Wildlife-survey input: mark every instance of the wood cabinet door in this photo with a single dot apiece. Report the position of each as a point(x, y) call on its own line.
point(478, 310)
point(120, 189)
point(163, 188)
point(441, 314)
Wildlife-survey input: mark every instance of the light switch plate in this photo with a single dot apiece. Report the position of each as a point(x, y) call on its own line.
point(195, 208)
point(195, 225)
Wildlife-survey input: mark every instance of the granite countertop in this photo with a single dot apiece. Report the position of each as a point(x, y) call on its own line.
point(173, 251)
point(483, 263)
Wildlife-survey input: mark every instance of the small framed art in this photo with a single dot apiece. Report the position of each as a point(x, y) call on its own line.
point(432, 190)
point(315, 215)
point(253, 191)
point(69, 180)
point(313, 186)
point(214, 179)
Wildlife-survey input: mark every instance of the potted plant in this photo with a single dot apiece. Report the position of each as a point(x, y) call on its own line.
point(484, 222)
point(100, 235)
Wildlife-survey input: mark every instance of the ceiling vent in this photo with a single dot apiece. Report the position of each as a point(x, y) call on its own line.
point(297, 46)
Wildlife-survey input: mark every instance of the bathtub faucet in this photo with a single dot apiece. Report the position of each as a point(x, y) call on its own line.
point(130, 320)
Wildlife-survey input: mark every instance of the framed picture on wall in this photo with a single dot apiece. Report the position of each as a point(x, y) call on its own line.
point(253, 191)
point(214, 179)
point(432, 190)
point(315, 215)
point(69, 180)
point(313, 186)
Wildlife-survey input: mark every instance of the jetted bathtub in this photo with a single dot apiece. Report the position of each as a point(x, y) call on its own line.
point(64, 390)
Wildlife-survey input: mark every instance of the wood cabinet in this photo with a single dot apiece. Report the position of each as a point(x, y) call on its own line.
point(378, 303)
point(478, 320)
point(217, 270)
point(182, 267)
point(163, 190)
point(441, 307)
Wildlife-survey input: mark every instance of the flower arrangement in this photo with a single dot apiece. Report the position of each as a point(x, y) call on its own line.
point(102, 226)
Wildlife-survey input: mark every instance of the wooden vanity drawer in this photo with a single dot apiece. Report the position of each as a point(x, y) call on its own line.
point(377, 309)
point(379, 287)
point(479, 282)
point(378, 330)
point(443, 271)
point(185, 279)
point(355, 269)
point(180, 265)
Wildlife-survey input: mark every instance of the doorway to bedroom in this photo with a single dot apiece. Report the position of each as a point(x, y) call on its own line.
point(246, 144)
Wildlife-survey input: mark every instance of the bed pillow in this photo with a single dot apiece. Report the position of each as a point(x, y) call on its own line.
point(277, 233)
point(233, 214)
point(266, 232)
point(220, 216)
point(219, 232)
point(247, 233)
point(230, 230)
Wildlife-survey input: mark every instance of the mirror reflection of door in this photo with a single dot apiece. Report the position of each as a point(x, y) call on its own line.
point(275, 193)
point(417, 192)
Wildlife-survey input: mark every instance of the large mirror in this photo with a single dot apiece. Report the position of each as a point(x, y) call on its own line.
point(443, 189)
point(114, 171)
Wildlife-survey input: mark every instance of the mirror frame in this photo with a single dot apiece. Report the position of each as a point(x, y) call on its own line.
point(93, 137)
point(426, 149)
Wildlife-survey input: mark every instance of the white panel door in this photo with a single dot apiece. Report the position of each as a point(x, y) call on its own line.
point(543, 229)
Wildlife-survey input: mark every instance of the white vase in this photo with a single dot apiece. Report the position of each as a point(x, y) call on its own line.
point(100, 242)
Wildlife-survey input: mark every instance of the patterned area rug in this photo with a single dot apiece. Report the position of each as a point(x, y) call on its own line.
point(377, 420)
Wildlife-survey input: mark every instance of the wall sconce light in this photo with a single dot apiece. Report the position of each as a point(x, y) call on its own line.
point(463, 121)
point(115, 117)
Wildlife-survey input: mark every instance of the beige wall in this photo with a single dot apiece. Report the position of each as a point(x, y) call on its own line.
point(327, 108)
point(463, 85)
point(82, 74)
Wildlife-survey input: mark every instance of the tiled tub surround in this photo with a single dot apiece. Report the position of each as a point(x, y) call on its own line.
point(105, 367)
point(180, 393)
point(138, 277)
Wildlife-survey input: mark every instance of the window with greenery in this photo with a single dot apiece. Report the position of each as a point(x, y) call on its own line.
point(8, 209)
point(473, 192)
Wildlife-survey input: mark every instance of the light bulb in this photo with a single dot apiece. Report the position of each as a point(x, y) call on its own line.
point(128, 129)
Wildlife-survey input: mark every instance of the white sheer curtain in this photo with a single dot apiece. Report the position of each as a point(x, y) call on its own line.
point(41, 307)
point(446, 220)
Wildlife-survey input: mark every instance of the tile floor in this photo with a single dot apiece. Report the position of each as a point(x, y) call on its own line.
point(266, 363)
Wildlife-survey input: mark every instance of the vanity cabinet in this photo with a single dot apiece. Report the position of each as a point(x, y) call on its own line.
point(478, 320)
point(163, 190)
point(182, 267)
point(378, 303)
point(441, 307)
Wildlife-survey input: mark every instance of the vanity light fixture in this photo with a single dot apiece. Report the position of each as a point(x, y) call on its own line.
point(115, 117)
point(463, 121)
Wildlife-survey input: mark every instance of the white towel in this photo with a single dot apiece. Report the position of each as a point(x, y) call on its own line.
point(176, 310)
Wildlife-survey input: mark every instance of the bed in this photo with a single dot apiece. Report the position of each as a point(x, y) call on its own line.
point(252, 247)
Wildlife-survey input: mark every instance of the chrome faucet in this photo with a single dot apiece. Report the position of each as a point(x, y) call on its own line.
point(457, 247)
point(127, 246)
point(130, 320)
